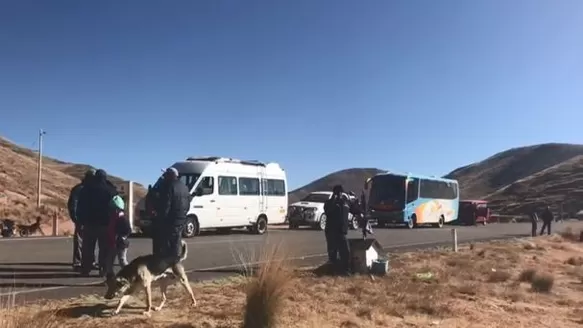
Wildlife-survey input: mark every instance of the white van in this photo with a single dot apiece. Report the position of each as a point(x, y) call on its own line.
point(231, 193)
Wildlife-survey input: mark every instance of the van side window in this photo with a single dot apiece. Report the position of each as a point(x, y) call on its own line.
point(227, 185)
point(249, 186)
point(207, 184)
point(274, 187)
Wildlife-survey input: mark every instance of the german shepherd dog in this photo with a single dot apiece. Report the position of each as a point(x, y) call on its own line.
point(142, 272)
point(26, 230)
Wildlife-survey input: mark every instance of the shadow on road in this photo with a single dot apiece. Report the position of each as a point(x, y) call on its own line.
point(98, 310)
point(13, 269)
point(47, 274)
point(68, 264)
point(12, 285)
point(239, 271)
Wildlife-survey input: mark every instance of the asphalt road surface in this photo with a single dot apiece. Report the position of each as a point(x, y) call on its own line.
point(39, 268)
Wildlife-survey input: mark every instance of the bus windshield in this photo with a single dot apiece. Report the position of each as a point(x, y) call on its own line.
point(387, 189)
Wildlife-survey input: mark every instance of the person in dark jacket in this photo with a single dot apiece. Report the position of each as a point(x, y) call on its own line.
point(95, 208)
point(72, 205)
point(534, 222)
point(336, 209)
point(171, 208)
point(548, 218)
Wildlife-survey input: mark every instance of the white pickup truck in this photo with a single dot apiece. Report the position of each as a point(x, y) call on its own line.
point(310, 211)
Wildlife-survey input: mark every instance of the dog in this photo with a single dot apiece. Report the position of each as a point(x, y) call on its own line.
point(26, 230)
point(145, 270)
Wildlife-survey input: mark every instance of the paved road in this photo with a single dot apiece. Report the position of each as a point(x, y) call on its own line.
point(39, 268)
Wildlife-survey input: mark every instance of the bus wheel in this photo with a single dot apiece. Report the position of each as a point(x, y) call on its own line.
point(412, 223)
point(191, 228)
point(440, 222)
point(260, 226)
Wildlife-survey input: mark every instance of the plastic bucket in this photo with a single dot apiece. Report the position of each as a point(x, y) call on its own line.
point(380, 267)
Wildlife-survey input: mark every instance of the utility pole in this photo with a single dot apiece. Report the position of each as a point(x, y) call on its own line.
point(41, 133)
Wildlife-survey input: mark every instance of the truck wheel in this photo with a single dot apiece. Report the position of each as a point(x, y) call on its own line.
point(322, 223)
point(191, 228)
point(260, 226)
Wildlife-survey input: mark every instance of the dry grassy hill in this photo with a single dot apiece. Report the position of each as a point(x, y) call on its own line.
point(351, 179)
point(18, 183)
point(519, 179)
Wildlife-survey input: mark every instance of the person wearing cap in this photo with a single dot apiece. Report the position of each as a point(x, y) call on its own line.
point(171, 208)
point(95, 203)
point(72, 206)
point(336, 209)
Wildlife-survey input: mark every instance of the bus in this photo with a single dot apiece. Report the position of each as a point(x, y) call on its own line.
point(227, 193)
point(412, 200)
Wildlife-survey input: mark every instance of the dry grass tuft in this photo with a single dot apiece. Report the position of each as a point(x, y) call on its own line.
point(542, 282)
point(569, 234)
point(499, 276)
point(23, 319)
point(575, 261)
point(266, 292)
point(527, 275)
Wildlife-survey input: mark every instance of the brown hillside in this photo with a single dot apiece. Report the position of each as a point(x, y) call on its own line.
point(18, 183)
point(562, 183)
point(351, 179)
point(486, 177)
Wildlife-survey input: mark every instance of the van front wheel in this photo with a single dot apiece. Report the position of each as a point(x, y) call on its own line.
point(260, 226)
point(190, 228)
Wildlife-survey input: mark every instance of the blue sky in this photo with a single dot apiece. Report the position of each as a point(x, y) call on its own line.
point(316, 85)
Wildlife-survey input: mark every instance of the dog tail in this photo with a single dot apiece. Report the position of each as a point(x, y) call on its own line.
point(184, 253)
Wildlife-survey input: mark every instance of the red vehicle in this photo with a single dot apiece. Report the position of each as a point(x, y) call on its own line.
point(472, 212)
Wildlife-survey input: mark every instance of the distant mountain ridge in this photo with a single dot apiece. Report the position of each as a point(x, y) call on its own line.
point(520, 179)
point(350, 179)
point(18, 183)
point(514, 181)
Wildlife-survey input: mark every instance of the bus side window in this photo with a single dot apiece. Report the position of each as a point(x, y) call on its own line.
point(412, 190)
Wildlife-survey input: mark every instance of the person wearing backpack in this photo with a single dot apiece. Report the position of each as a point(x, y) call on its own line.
point(95, 205)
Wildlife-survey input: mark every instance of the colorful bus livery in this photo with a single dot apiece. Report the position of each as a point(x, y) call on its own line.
point(412, 200)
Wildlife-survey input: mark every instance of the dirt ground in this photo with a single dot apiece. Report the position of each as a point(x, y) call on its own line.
point(521, 283)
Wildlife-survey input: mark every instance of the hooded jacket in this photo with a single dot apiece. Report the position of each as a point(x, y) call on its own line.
point(95, 200)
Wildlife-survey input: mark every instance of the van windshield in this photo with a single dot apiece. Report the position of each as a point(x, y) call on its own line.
point(189, 179)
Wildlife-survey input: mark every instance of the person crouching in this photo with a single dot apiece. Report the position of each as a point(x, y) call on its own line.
point(122, 242)
point(118, 232)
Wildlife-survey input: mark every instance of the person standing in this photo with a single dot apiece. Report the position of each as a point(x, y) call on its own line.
point(336, 209)
point(173, 203)
point(548, 218)
point(95, 203)
point(534, 222)
point(72, 205)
